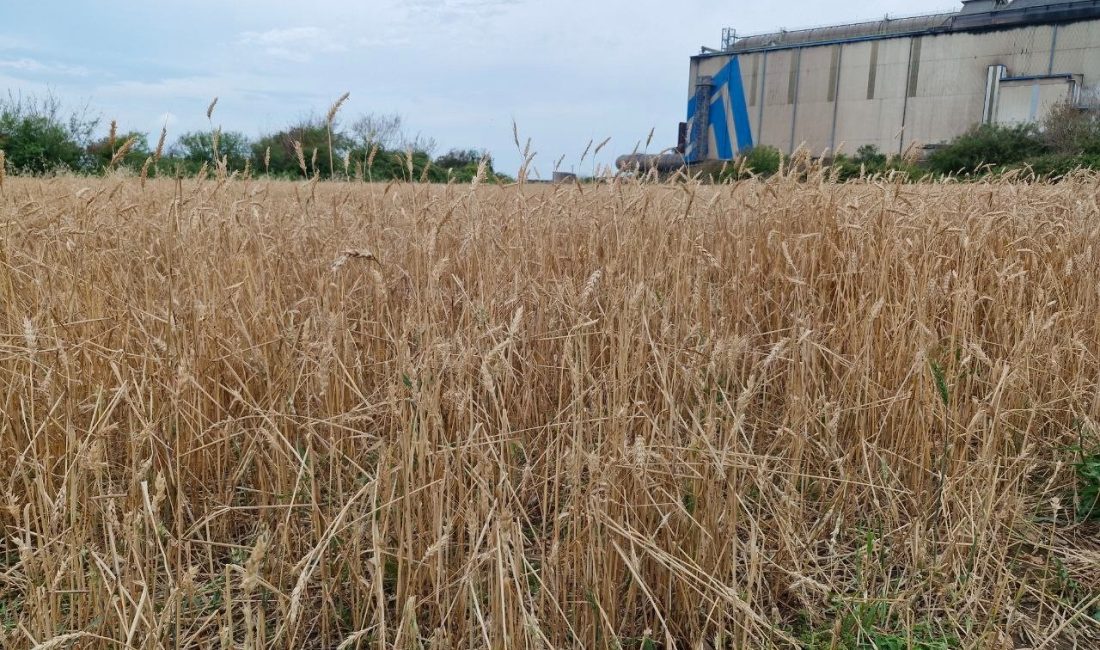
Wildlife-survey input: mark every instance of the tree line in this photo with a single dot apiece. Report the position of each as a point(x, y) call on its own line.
point(39, 137)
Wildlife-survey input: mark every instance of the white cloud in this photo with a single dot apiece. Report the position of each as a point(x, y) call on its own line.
point(462, 7)
point(380, 42)
point(294, 44)
point(180, 87)
point(283, 37)
point(24, 87)
point(25, 64)
point(187, 97)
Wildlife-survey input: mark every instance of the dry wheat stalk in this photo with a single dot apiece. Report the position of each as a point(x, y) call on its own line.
point(330, 120)
point(62, 641)
point(145, 171)
point(371, 156)
point(682, 415)
point(122, 151)
point(330, 117)
point(159, 151)
point(215, 144)
point(301, 156)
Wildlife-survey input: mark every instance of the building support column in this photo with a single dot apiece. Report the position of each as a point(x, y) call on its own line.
point(992, 92)
point(1053, 49)
point(913, 77)
point(839, 63)
point(793, 96)
point(763, 98)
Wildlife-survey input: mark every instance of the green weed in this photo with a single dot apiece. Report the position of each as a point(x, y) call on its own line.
point(1088, 484)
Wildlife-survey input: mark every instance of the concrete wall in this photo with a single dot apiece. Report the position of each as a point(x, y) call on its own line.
point(872, 96)
point(890, 92)
point(1076, 52)
point(1022, 102)
point(778, 107)
point(950, 93)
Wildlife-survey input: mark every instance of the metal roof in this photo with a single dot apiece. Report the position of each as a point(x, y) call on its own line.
point(976, 15)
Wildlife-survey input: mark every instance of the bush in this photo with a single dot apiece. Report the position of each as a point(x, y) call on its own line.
point(1054, 164)
point(38, 139)
point(103, 151)
point(998, 147)
point(311, 134)
point(196, 148)
point(869, 155)
point(386, 165)
point(462, 165)
point(1059, 164)
point(868, 160)
point(1071, 129)
point(458, 158)
point(764, 160)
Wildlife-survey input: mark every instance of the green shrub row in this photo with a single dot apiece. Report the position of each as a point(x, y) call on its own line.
point(38, 138)
point(1066, 141)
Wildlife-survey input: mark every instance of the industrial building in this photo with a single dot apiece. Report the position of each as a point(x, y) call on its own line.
point(893, 82)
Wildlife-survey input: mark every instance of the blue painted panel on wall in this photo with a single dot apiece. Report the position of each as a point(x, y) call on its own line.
point(730, 78)
point(738, 106)
point(721, 128)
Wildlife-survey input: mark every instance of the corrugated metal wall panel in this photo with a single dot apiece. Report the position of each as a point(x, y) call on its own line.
point(778, 111)
point(1023, 102)
point(753, 70)
point(950, 93)
point(1030, 51)
point(950, 89)
point(840, 32)
point(815, 111)
point(1078, 52)
point(874, 121)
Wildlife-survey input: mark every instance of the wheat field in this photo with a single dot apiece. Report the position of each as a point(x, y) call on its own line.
point(775, 413)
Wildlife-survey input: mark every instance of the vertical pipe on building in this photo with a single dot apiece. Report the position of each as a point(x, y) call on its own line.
point(754, 91)
point(988, 109)
point(793, 96)
point(763, 99)
point(992, 92)
point(1002, 72)
point(1053, 49)
point(838, 63)
point(872, 72)
point(910, 89)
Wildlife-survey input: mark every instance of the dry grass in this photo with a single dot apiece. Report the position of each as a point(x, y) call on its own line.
point(251, 414)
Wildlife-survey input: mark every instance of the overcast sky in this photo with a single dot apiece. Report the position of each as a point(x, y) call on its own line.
point(566, 71)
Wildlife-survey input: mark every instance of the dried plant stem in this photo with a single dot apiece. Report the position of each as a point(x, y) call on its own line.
point(330, 121)
point(777, 413)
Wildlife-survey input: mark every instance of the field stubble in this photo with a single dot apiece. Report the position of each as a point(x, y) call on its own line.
point(770, 414)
